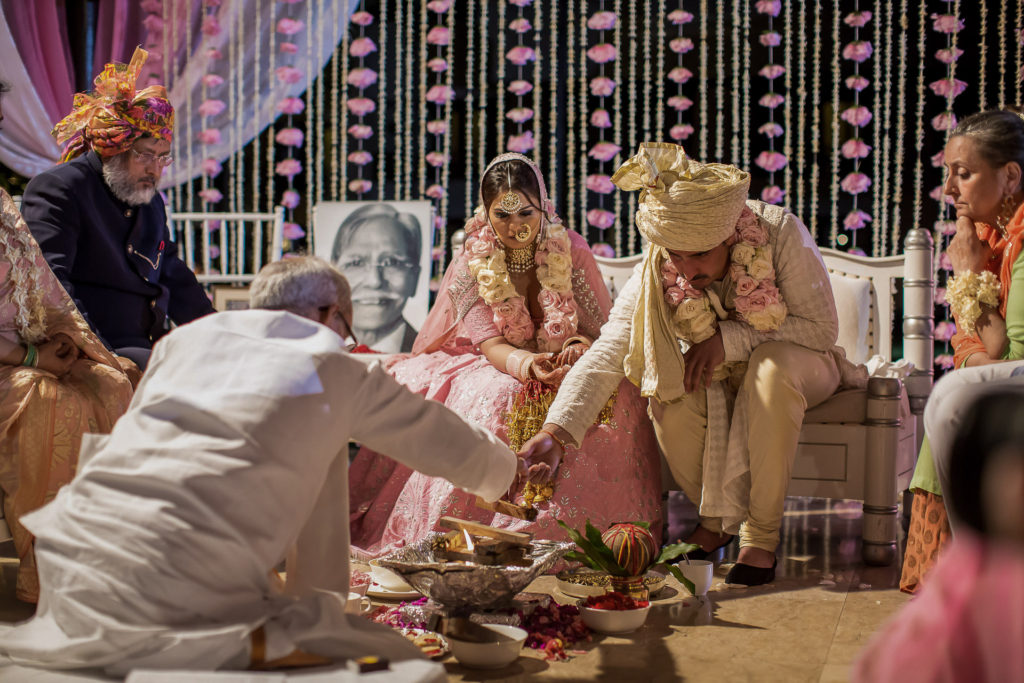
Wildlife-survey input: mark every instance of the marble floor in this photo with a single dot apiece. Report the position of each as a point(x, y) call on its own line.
point(808, 625)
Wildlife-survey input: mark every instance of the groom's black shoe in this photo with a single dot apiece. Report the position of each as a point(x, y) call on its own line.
point(701, 554)
point(749, 575)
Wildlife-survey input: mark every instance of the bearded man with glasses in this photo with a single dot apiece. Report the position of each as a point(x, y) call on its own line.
point(102, 225)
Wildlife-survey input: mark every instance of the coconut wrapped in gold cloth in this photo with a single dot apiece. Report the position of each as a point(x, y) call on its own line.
point(684, 205)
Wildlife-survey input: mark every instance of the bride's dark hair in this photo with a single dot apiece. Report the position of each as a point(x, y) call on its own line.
point(496, 181)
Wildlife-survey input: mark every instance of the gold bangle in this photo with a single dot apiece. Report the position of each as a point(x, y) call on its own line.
point(554, 438)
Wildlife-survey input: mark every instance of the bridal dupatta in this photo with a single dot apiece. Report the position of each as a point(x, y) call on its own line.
point(43, 417)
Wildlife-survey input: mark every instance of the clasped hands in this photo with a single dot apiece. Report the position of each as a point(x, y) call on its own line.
point(539, 458)
point(551, 368)
point(57, 354)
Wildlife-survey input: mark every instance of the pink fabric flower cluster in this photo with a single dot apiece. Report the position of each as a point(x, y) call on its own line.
point(857, 51)
point(211, 107)
point(771, 160)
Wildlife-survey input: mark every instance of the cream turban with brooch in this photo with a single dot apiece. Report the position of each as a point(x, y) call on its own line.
point(684, 205)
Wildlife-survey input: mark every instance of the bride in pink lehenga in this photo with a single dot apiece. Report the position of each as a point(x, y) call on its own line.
point(515, 310)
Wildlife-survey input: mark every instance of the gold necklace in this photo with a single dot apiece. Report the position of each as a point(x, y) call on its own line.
point(520, 261)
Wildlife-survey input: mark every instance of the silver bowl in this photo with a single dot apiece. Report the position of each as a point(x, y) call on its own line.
point(467, 584)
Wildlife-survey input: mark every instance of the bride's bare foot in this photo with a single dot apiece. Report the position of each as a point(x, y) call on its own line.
point(708, 540)
point(756, 557)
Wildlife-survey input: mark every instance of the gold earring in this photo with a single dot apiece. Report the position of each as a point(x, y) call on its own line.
point(524, 233)
point(1006, 211)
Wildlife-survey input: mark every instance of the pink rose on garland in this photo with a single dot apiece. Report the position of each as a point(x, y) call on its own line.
point(603, 249)
point(773, 194)
point(680, 131)
point(769, 7)
point(520, 55)
point(770, 39)
point(944, 121)
point(361, 47)
point(602, 53)
point(209, 136)
point(604, 151)
point(360, 131)
point(361, 106)
point(679, 16)
point(437, 127)
point(938, 159)
point(362, 77)
point(288, 168)
point(856, 116)
point(360, 186)
point(440, 94)
point(855, 183)
point(362, 18)
point(521, 143)
point(857, 19)
point(600, 218)
point(944, 262)
point(288, 74)
point(600, 118)
point(600, 183)
point(948, 55)
point(940, 296)
point(772, 130)
point(944, 331)
point(680, 45)
point(293, 231)
point(290, 137)
point(857, 82)
point(947, 23)
point(675, 296)
point(436, 159)
point(946, 227)
point(856, 219)
point(602, 87)
point(437, 65)
point(435, 191)
point(211, 27)
point(680, 75)
point(520, 87)
point(288, 48)
point(360, 157)
point(521, 3)
point(212, 80)
point(855, 148)
point(520, 114)
point(944, 361)
point(212, 53)
point(772, 71)
point(556, 246)
point(211, 195)
point(290, 27)
point(771, 161)
point(771, 100)
point(212, 107)
point(290, 199)
point(520, 25)
point(291, 105)
point(948, 87)
point(211, 167)
point(438, 35)
point(858, 51)
point(680, 103)
point(439, 6)
point(602, 21)
point(745, 285)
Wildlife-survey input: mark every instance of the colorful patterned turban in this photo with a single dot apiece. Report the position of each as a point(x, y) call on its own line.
point(111, 118)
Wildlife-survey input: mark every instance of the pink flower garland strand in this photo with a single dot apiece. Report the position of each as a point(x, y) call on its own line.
point(519, 56)
point(439, 94)
point(290, 137)
point(855, 183)
point(679, 75)
point(361, 78)
point(601, 87)
point(210, 108)
point(771, 160)
point(948, 89)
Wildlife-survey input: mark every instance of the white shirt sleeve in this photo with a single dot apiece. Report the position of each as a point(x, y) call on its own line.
point(802, 279)
point(598, 373)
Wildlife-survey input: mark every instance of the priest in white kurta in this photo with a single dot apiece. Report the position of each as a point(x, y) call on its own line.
point(727, 391)
point(233, 456)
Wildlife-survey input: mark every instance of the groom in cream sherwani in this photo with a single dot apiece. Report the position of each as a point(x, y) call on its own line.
point(731, 354)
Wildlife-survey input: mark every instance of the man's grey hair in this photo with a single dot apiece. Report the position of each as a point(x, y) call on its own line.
point(301, 285)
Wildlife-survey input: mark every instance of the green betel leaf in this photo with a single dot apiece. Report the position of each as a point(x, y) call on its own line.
point(671, 552)
point(687, 584)
point(607, 556)
point(604, 561)
point(582, 558)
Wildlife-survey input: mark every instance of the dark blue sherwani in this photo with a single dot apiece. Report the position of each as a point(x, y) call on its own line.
point(116, 261)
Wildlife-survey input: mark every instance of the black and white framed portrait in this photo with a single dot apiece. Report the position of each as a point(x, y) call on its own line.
point(384, 249)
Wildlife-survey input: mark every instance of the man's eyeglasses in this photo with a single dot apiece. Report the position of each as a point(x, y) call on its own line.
point(146, 158)
point(392, 266)
point(348, 327)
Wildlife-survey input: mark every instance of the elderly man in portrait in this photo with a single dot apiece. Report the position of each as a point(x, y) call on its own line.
point(160, 553)
point(102, 225)
point(729, 327)
point(378, 250)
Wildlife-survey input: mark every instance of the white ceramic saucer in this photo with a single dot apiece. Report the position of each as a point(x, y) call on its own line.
point(378, 591)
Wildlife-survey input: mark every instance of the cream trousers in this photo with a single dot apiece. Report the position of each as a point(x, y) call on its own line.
point(781, 382)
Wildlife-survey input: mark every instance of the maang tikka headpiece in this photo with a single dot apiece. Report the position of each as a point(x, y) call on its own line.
point(510, 201)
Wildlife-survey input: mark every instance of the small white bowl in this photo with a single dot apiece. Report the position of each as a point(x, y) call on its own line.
point(388, 579)
point(508, 641)
point(614, 621)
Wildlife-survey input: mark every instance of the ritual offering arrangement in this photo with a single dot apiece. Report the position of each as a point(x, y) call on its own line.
point(473, 567)
point(614, 613)
point(583, 582)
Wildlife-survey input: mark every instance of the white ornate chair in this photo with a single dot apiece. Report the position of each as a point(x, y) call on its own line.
point(246, 241)
point(862, 444)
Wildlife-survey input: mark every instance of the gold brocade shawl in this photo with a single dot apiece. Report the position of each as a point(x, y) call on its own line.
point(684, 206)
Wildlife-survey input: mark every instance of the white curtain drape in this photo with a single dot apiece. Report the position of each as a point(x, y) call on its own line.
point(26, 146)
point(250, 53)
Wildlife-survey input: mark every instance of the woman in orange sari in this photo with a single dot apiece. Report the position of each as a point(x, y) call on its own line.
point(57, 382)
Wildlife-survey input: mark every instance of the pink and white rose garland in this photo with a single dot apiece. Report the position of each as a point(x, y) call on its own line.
point(771, 160)
point(290, 137)
point(756, 299)
point(680, 75)
point(857, 115)
point(554, 272)
point(361, 78)
point(602, 87)
point(519, 56)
